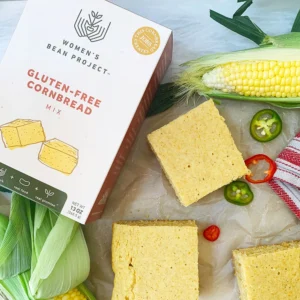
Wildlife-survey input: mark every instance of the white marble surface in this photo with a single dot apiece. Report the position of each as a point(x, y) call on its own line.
point(143, 192)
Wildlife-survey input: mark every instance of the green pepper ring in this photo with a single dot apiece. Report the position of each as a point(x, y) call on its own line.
point(238, 200)
point(256, 118)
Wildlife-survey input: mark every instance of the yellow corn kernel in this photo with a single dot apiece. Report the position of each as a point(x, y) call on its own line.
point(276, 70)
point(281, 72)
point(254, 67)
point(293, 71)
point(260, 66)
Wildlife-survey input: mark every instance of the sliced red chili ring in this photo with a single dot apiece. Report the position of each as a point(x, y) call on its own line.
point(238, 193)
point(212, 233)
point(269, 173)
point(266, 125)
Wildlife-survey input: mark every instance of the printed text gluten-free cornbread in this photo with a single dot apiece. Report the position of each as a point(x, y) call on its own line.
point(198, 153)
point(155, 260)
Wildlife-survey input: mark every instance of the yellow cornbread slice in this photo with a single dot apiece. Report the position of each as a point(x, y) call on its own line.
point(269, 272)
point(155, 260)
point(21, 133)
point(197, 153)
point(59, 156)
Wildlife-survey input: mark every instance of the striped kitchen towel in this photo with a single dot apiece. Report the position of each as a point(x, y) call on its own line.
point(286, 180)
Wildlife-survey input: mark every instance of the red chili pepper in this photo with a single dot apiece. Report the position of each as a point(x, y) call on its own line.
point(212, 233)
point(269, 173)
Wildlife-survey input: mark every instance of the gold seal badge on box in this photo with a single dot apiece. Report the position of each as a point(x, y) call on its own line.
point(146, 40)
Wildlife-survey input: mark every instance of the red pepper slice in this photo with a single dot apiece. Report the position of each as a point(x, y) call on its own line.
point(212, 233)
point(254, 160)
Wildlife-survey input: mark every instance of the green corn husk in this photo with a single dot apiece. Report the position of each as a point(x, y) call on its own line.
point(61, 260)
point(53, 247)
point(15, 248)
point(15, 287)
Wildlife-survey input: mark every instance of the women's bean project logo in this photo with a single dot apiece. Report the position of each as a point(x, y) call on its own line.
point(95, 29)
point(92, 27)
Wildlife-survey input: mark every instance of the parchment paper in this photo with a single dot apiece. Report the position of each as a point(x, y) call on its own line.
point(143, 192)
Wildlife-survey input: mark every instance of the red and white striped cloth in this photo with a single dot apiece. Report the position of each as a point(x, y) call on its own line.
point(286, 180)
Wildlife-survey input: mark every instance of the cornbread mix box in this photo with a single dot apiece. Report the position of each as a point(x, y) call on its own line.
point(76, 82)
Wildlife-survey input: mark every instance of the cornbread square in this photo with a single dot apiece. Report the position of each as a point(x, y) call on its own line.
point(269, 272)
point(155, 260)
point(197, 153)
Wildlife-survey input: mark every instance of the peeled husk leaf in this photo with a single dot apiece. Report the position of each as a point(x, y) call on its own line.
point(15, 247)
point(64, 266)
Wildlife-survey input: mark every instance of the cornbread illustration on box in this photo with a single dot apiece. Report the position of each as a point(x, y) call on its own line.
point(75, 91)
point(21, 133)
point(59, 156)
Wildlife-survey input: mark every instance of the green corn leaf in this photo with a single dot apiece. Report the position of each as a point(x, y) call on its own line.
point(74, 260)
point(44, 221)
point(63, 262)
point(164, 99)
point(242, 1)
point(296, 26)
point(247, 21)
point(286, 105)
point(84, 290)
point(15, 287)
point(251, 32)
point(3, 226)
point(243, 8)
point(15, 248)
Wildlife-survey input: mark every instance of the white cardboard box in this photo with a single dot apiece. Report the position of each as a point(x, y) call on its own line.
point(76, 82)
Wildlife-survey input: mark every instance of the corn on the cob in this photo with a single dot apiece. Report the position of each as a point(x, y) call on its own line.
point(279, 79)
point(269, 73)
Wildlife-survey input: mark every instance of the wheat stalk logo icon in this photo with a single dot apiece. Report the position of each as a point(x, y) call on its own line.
point(92, 28)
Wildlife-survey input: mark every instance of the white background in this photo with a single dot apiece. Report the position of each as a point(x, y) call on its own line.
point(143, 192)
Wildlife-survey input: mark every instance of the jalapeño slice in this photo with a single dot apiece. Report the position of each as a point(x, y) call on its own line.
point(238, 193)
point(266, 125)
